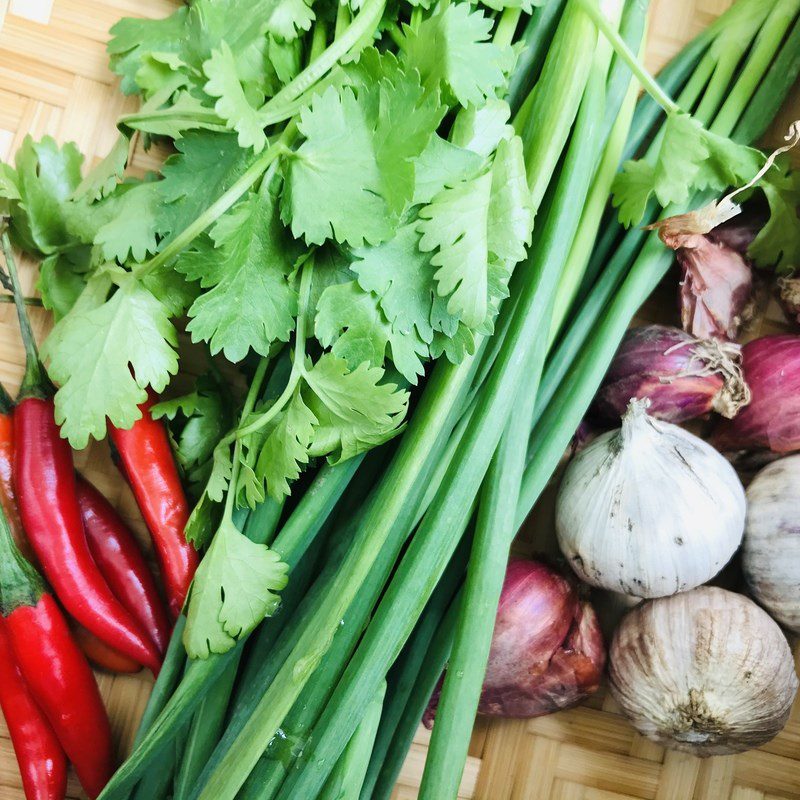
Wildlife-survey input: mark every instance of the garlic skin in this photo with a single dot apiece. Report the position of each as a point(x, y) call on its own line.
point(650, 509)
point(707, 672)
point(771, 549)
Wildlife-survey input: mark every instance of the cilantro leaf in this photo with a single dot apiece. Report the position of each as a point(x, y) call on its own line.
point(482, 128)
point(689, 157)
point(104, 353)
point(134, 39)
point(232, 104)
point(285, 449)
point(205, 166)
point(132, 224)
point(402, 276)
point(106, 174)
point(290, 18)
point(353, 175)
point(442, 164)
point(251, 301)
point(350, 319)
point(452, 48)
point(778, 242)
point(354, 410)
point(185, 113)
point(234, 588)
point(46, 177)
point(62, 278)
point(474, 225)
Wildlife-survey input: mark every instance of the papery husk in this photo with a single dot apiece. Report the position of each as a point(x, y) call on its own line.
point(707, 672)
point(682, 376)
point(771, 545)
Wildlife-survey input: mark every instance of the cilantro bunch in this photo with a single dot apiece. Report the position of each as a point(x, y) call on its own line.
point(336, 214)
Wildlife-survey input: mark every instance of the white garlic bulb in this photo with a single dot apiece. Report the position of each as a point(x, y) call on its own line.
point(707, 672)
point(650, 509)
point(771, 549)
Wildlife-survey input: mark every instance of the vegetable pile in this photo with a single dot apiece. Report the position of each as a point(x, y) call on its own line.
point(387, 229)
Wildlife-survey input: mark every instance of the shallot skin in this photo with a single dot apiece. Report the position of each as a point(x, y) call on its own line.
point(682, 376)
point(707, 672)
point(771, 548)
point(547, 651)
point(772, 419)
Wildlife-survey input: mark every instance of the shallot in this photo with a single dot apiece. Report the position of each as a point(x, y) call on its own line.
point(683, 377)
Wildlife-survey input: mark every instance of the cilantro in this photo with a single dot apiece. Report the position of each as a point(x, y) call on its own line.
point(778, 242)
point(451, 48)
point(482, 128)
point(354, 173)
point(442, 164)
point(232, 104)
point(689, 157)
point(246, 265)
point(479, 224)
point(62, 278)
point(205, 165)
point(285, 449)
point(46, 176)
point(104, 353)
point(351, 320)
point(132, 224)
point(290, 18)
point(354, 410)
point(234, 588)
point(104, 176)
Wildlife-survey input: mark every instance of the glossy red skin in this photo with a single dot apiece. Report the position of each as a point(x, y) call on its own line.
point(146, 459)
point(101, 655)
point(121, 561)
point(60, 679)
point(44, 479)
point(7, 499)
point(771, 421)
point(41, 759)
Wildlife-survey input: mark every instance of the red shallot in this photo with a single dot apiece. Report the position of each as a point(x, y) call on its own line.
point(683, 377)
point(771, 421)
point(547, 650)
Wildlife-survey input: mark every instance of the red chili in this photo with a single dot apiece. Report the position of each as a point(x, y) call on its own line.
point(121, 561)
point(62, 683)
point(7, 499)
point(45, 485)
point(55, 670)
point(145, 457)
point(100, 654)
point(41, 759)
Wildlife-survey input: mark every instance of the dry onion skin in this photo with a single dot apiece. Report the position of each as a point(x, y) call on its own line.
point(707, 672)
point(771, 551)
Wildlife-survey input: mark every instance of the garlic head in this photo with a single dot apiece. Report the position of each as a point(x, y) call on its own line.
point(707, 672)
point(650, 509)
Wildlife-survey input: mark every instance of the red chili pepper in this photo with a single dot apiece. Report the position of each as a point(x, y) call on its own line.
point(7, 499)
point(100, 654)
point(121, 561)
point(44, 478)
point(44, 482)
point(41, 759)
point(55, 670)
point(146, 460)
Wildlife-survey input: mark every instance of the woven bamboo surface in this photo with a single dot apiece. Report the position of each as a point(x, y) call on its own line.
point(54, 80)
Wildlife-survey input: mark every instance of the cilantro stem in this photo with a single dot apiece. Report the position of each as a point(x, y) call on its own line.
point(648, 82)
point(319, 39)
point(247, 409)
point(29, 301)
point(35, 381)
point(507, 26)
point(365, 22)
point(416, 16)
point(343, 19)
point(221, 205)
point(298, 363)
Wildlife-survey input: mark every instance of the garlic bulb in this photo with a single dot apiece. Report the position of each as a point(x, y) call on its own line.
point(707, 672)
point(649, 509)
point(771, 550)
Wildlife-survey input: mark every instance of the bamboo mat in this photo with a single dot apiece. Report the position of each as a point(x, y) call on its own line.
point(54, 80)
